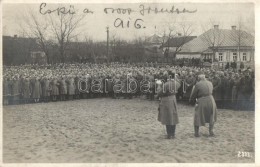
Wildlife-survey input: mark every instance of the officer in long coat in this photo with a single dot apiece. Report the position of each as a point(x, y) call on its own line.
point(71, 88)
point(77, 91)
point(235, 80)
point(6, 90)
point(46, 89)
point(117, 86)
point(216, 81)
point(223, 86)
point(123, 79)
point(252, 97)
point(15, 90)
point(205, 109)
point(190, 81)
point(54, 89)
point(63, 88)
point(168, 114)
point(26, 90)
point(181, 77)
point(36, 89)
point(109, 86)
point(152, 87)
point(245, 90)
point(228, 91)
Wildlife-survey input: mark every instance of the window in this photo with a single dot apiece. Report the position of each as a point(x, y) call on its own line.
point(244, 53)
point(220, 58)
point(37, 54)
point(220, 54)
point(234, 54)
point(244, 57)
point(234, 58)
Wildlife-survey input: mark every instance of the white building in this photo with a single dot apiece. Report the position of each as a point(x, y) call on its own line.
point(222, 46)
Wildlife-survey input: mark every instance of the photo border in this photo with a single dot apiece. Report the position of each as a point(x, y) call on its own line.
point(257, 90)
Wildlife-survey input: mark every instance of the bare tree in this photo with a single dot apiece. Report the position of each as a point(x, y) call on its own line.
point(214, 37)
point(166, 38)
point(33, 27)
point(138, 50)
point(181, 32)
point(90, 47)
point(65, 27)
point(113, 44)
point(185, 32)
point(239, 35)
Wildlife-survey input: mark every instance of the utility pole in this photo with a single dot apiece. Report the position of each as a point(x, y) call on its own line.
point(107, 42)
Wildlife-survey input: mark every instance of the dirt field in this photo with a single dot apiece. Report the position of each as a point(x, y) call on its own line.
point(111, 131)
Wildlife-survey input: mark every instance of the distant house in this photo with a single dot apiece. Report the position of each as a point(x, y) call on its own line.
point(155, 40)
point(38, 57)
point(152, 48)
point(21, 50)
point(222, 46)
point(174, 45)
point(79, 52)
point(165, 51)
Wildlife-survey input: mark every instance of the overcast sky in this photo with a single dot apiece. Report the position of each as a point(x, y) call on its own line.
point(224, 14)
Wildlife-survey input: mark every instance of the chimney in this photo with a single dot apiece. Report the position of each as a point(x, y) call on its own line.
point(15, 36)
point(179, 34)
point(233, 27)
point(215, 26)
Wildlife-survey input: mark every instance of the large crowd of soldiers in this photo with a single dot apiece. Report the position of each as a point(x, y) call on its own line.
point(233, 89)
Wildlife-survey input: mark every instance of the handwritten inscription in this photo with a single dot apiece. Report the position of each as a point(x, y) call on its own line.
point(126, 24)
point(118, 10)
point(60, 10)
point(149, 10)
point(138, 23)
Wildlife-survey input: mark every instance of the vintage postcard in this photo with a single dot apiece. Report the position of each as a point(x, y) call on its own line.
point(122, 83)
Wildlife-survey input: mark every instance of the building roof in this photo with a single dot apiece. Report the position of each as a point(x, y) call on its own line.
point(178, 41)
point(154, 39)
point(20, 42)
point(222, 38)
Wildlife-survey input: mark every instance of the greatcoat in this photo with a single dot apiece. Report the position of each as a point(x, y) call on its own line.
point(168, 114)
point(205, 109)
point(71, 86)
point(36, 89)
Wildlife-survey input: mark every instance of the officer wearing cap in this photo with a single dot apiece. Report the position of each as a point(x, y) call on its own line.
point(168, 114)
point(205, 109)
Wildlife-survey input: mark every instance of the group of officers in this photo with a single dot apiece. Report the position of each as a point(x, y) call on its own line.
point(206, 88)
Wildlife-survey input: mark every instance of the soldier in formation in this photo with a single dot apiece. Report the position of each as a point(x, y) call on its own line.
point(31, 84)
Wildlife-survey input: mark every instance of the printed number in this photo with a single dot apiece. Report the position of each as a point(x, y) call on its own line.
point(242, 154)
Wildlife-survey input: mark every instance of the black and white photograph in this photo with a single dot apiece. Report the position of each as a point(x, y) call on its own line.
point(123, 82)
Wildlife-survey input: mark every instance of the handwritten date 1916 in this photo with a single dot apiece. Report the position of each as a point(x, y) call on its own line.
point(119, 23)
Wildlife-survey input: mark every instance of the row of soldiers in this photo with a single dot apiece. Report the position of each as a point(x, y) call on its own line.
point(27, 84)
point(230, 90)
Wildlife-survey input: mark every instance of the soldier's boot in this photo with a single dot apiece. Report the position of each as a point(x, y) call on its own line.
point(196, 129)
point(211, 133)
point(173, 131)
point(169, 132)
